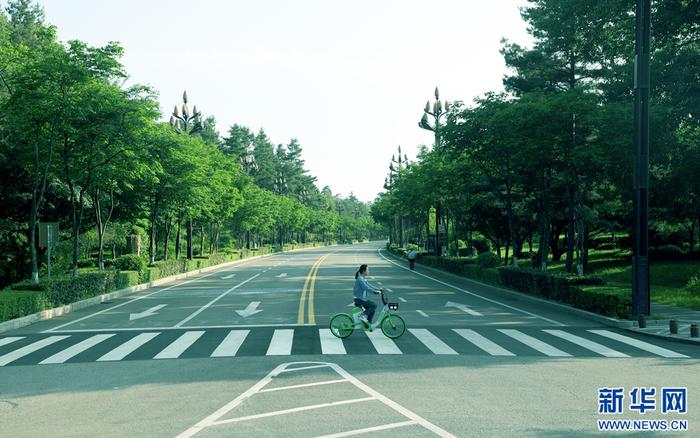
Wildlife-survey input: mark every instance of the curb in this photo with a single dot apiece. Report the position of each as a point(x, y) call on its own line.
point(44, 315)
point(612, 322)
point(690, 341)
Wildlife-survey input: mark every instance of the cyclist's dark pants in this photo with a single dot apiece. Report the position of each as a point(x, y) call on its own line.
point(412, 263)
point(369, 306)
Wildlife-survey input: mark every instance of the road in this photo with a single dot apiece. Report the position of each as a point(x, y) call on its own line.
point(244, 351)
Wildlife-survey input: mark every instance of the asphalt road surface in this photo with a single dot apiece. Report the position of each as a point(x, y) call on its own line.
point(245, 351)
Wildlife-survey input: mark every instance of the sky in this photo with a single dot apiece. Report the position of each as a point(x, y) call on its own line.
point(348, 79)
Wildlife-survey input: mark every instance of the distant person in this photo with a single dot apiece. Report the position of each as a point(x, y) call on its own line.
point(412, 258)
point(359, 294)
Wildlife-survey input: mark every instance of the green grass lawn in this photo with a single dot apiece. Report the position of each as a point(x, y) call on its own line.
point(668, 279)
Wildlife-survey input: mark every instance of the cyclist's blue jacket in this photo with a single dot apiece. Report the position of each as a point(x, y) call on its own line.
point(361, 287)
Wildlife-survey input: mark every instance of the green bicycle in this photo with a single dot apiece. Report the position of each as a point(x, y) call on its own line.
point(393, 326)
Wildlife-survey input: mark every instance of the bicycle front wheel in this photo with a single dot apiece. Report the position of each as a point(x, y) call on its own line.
point(342, 325)
point(393, 326)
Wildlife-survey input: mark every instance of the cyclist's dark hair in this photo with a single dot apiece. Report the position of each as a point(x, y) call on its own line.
point(362, 269)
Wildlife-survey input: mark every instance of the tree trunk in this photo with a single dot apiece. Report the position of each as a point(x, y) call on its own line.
point(178, 234)
point(166, 238)
point(190, 249)
point(201, 239)
point(102, 225)
point(152, 237)
point(692, 237)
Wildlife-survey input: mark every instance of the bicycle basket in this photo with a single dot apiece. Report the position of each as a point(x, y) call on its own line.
point(393, 306)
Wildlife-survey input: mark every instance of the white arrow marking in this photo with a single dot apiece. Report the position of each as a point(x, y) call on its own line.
point(282, 275)
point(250, 310)
point(228, 276)
point(150, 312)
point(351, 305)
point(402, 300)
point(422, 313)
point(463, 308)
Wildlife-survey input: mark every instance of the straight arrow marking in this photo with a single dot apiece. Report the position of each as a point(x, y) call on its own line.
point(463, 308)
point(282, 275)
point(150, 312)
point(250, 310)
point(228, 276)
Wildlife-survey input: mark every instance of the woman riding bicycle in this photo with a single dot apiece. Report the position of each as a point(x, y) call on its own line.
point(359, 293)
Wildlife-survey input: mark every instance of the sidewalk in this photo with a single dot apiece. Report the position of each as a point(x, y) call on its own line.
point(663, 314)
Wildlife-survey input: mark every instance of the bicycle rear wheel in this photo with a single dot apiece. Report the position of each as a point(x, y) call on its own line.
point(342, 325)
point(393, 326)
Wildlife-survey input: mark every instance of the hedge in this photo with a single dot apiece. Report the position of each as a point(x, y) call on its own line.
point(25, 298)
point(555, 287)
point(561, 289)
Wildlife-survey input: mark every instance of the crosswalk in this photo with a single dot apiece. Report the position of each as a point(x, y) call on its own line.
point(222, 343)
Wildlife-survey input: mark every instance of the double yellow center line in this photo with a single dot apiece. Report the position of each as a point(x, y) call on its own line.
point(309, 290)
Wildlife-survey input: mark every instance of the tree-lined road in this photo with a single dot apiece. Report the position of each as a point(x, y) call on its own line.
point(473, 361)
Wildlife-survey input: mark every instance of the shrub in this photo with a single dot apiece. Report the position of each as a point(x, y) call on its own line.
point(490, 275)
point(413, 246)
point(586, 281)
point(466, 251)
point(693, 285)
point(481, 245)
point(130, 262)
point(87, 263)
point(28, 285)
point(15, 304)
point(127, 279)
point(559, 288)
point(487, 260)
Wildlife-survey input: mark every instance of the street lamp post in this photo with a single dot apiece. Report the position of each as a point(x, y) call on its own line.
point(303, 198)
point(249, 166)
point(281, 188)
point(641, 300)
point(437, 112)
point(189, 124)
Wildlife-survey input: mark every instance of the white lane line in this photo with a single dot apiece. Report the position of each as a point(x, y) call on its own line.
point(206, 306)
point(463, 308)
point(184, 327)
point(210, 420)
point(402, 300)
point(422, 313)
point(292, 410)
point(587, 344)
point(382, 344)
point(29, 349)
point(5, 341)
point(370, 429)
point(304, 385)
point(281, 343)
point(659, 351)
point(76, 349)
point(473, 294)
point(485, 344)
point(128, 347)
point(431, 341)
point(231, 343)
point(228, 276)
point(140, 297)
point(534, 343)
point(179, 345)
point(330, 344)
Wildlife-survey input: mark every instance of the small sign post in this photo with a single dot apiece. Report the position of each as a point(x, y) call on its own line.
point(48, 237)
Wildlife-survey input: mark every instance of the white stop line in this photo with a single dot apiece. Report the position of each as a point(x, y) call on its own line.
point(372, 395)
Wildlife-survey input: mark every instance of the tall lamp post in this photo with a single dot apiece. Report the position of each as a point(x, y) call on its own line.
point(395, 168)
point(641, 300)
point(436, 112)
point(186, 123)
point(303, 198)
point(281, 188)
point(249, 166)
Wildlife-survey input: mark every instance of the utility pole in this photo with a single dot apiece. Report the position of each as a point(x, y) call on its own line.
point(641, 300)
